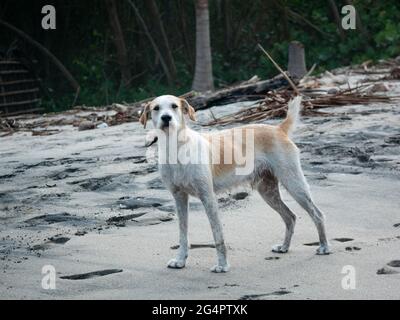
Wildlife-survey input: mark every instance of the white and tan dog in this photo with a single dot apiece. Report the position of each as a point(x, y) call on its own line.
point(271, 156)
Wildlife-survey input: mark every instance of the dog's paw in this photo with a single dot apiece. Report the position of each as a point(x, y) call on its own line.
point(280, 249)
point(220, 269)
point(323, 250)
point(176, 264)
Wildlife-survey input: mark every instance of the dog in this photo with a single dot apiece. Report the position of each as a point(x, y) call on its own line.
point(275, 160)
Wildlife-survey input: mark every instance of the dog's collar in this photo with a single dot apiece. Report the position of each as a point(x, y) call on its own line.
point(152, 142)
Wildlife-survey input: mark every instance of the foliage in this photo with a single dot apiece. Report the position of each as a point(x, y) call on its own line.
point(236, 27)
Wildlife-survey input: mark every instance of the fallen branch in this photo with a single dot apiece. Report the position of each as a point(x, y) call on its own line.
point(280, 70)
point(243, 92)
point(275, 105)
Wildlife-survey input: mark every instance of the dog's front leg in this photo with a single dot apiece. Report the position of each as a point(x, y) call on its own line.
point(181, 200)
point(210, 204)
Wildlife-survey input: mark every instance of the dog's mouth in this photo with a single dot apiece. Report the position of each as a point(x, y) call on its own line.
point(166, 126)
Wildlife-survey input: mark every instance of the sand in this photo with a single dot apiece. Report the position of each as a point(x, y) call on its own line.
point(89, 204)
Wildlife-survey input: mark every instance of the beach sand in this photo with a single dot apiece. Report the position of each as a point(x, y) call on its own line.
point(89, 201)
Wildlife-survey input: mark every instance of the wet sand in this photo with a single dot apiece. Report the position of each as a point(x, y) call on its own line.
point(90, 203)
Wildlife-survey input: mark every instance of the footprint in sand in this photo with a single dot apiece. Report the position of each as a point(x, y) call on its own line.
point(83, 276)
point(196, 246)
point(336, 239)
point(394, 263)
point(240, 195)
point(48, 244)
point(389, 268)
point(312, 244)
point(343, 239)
point(352, 249)
point(225, 285)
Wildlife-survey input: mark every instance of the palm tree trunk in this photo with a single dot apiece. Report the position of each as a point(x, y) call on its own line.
point(203, 78)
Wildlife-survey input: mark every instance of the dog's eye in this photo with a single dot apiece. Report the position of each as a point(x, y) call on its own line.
point(174, 106)
point(156, 108)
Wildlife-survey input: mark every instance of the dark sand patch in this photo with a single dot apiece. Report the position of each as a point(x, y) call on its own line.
point(343, 239)
point(256, 296)
point(140, 202)
point(386, 270)
point(53, 218)
point(225, 285)
point(395, 139)
point(311, 244)
point(240, 195)
point(48, 244)
point(119, 219)
point(84, 276)
point(196, 246)
point(144, 171)
point(390, 268)
point(93, 184)
point(352, 249)
point(134, 159)
point(67, 173)
point(156, 184)
point(394, 263)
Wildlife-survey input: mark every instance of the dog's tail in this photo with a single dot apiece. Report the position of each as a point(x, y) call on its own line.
point(289, 124)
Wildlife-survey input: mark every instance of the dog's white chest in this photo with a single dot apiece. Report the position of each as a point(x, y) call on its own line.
point(185, 177)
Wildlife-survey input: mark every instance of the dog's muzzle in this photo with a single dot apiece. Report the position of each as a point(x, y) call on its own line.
point(166, 119)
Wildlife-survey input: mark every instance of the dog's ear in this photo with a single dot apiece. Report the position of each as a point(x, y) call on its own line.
point(188, 109)
point(145, 115)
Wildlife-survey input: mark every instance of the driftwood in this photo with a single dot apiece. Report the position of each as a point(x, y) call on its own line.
point(275, 105)
point(270, 100)
point(247, 91)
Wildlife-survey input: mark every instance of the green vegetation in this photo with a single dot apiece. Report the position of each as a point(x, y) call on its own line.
point(84, 42)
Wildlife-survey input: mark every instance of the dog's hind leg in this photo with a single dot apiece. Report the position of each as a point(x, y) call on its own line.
point(269, 190)
point(292, 177)
point(181, 200)
point(210, 205)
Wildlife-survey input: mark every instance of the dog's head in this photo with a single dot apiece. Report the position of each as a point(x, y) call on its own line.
point(167, 113)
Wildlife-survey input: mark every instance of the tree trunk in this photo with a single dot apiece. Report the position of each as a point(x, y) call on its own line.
point(119, 41)
point(153, 43)
point(160, 35)
point(297, 62)
point(203, 78)
point(185, 38)
point(336, 17)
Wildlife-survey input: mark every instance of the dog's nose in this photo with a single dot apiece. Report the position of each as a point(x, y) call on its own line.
point(166, 118)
